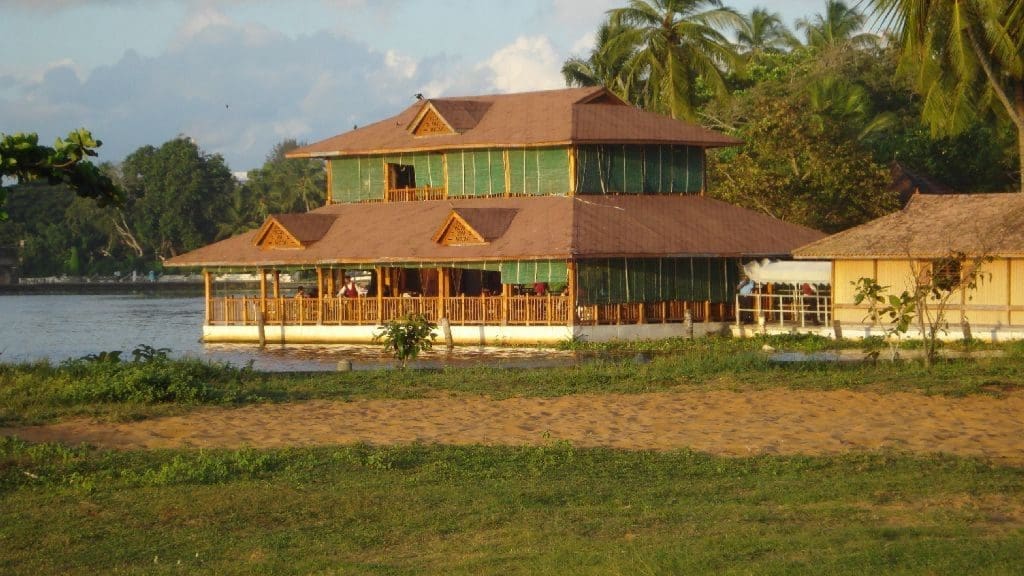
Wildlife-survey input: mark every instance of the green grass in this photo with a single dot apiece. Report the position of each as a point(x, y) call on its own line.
point(37, 393)
point(479, 510)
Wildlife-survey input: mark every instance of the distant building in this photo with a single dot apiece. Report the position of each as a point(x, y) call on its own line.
point(520, 218)
point(922, 237)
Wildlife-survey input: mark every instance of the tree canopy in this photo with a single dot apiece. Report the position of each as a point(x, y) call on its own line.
point(24, 159)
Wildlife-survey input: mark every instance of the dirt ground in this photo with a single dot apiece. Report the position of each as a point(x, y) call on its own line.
point(726, 423)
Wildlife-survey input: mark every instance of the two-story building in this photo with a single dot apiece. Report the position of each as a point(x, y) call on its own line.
point(520, 218)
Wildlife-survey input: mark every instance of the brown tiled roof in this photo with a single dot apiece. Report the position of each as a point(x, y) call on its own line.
point(306, 228)
point(548, 227)
point(546, 118)
point(490, 223)
point(933, 226)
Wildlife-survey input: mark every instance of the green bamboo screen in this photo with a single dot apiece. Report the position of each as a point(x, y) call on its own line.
point(619, 280)
point(622, 169)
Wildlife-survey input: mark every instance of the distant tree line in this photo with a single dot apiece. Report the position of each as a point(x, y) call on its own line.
point(168, 200)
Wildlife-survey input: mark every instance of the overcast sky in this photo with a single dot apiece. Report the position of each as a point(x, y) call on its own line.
point(239, 76)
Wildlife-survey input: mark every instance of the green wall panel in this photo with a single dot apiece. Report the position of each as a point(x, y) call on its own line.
point(357, 179)
point(619, 280)
point(476, 173)
point(539, 172)
point(627, 169)
point(529, 271)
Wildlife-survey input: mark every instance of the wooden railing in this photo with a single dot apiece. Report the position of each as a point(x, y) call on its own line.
point(549, 310)
point(413, 194)
point(784, 309)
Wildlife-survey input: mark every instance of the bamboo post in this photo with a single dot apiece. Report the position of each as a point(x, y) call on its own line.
point(263, 290)
point(329, 196)
point(440, 293)
point(505, 289)
point(380, 294)
point(640, 318)
point(320, 287)
point(278, 304)
point(207, 287)
point(571, 289)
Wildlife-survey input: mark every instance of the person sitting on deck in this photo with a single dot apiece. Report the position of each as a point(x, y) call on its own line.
point(540, 288)
point(349, 289)
point(300, 292)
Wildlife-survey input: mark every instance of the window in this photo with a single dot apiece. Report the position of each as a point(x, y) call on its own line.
point(401, 176)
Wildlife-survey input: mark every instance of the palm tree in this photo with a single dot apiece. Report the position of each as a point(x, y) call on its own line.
point(761, 32)
point(675, 50)
point(603, 67)
point(964, 56)
point(840, 25)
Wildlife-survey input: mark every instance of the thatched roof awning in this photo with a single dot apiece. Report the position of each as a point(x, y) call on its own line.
point(933, 227)
point(536, 228)
point(530, 119)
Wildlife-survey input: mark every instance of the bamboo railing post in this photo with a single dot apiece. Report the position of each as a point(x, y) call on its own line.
point(640, 317)
point(208, 289)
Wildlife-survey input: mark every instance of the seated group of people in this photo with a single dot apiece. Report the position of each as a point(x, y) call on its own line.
point(348, 290)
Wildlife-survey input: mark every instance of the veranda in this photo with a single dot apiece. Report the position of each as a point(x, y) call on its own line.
point(486, 302)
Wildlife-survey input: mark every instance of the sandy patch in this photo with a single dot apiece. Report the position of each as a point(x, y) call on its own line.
point(719, 422)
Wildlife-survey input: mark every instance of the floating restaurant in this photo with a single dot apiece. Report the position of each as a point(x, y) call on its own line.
point(519, 218)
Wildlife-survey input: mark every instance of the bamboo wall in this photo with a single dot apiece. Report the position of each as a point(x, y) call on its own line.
point(997, 300)
point(463, 173)
point(622, 169)
point(598, 169)
point(620, 280)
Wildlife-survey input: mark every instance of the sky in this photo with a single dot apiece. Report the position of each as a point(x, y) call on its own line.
point(239, 76)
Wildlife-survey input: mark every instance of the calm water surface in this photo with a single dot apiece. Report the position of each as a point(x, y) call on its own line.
point(61, 327)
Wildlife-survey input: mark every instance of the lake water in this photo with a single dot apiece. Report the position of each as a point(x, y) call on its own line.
point(60, 327)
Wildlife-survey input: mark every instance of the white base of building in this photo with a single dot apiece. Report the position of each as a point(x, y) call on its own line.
point(462, 335)
point(860, 331)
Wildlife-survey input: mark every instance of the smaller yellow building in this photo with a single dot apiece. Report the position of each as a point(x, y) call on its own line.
point(921, 237)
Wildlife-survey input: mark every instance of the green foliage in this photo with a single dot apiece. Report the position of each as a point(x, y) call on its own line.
point(406, 337)
point(22, 157)
point(151, 377)
point(177, 195)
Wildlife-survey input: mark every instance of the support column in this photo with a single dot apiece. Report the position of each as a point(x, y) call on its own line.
point(571, 290)
point(278, 305)
point(380, 294)
point(208, 289)
point(505, 289)
point(440, 293)
point(263, 291)
point(320, 287)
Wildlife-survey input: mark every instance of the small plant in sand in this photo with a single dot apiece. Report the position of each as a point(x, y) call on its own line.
point(407, 337)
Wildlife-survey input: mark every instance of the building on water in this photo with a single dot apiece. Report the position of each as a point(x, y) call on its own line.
point(520, 218)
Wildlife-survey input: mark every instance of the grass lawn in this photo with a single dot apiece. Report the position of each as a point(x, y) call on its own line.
point(38, 393)
point(480, 510)
point(553, 509)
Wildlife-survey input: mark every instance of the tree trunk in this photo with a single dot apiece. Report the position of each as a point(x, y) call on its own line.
point(1018, 101)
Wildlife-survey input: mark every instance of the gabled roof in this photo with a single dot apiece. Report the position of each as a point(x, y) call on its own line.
point(292, 230)
point(933, 226)
point(524, 228)
point(530, 119)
